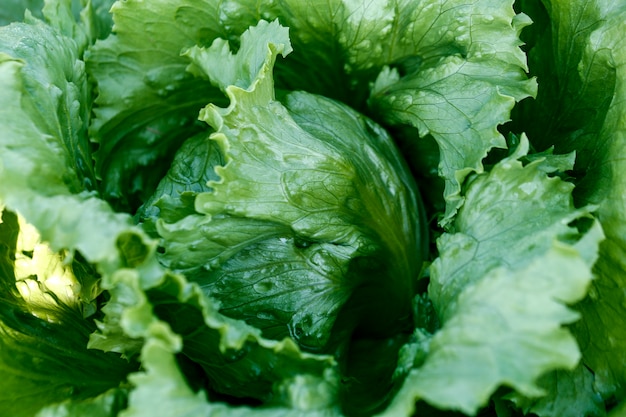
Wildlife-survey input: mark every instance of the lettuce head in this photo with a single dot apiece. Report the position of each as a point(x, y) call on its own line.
point(300, 208)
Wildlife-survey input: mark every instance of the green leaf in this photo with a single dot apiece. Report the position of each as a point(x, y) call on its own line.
point(13, 10)
point(453, 70)
point(44, 278)
point(108, 404)
point(147, 104)
point(237, 361)
point(579, 45)
point(147, 304)
point(485, 228)
point(174, 197)
point(340, 47)
point(84, 21)
point(43, 335)
point(458, 83)
point(568, 394)
point(41, 70)
point(500, 287)
point(162, 389)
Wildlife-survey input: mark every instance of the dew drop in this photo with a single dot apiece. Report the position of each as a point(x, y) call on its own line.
point(152, 78)
point(263, 287)
point(265, 315)
point(301, 243)
point(364, 44)
point(234, 355)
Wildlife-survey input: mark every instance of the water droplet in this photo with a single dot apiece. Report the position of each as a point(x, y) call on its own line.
point(302, 243)
point(263, 287)
point(314, 23)
point(528, 187)
point(364, 44)
point(254, 371)
point(152, 77)
point(88, 183)
point(407, 100)
point(265, 315)
point(234, 355)
point(296, 331)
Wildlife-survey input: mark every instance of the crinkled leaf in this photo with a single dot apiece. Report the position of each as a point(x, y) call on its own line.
point(13, 10)
point(45, 175)
point(43, 339)
point(579, 46)
point(43, 75)
point(44, 278)
point(162, 389)
point(487, 228)
point(500, 289)
point(237, 361)
point(467, 62)
point(82, 20)
point(147, 103)
point(506, 330)
point(568, 394)
point(174, 197)
point(234, 357)
point(108, 404)
point(453, 70)
point(458, 83)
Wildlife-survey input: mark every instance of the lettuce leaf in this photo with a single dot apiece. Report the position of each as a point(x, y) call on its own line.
point(569, 393)
point(501, 289)
point(147, 104)
point(108, 404)
point(14, 10)
point(162, 376)
point(579, 45)
point(459, 81)
point(43, 335)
